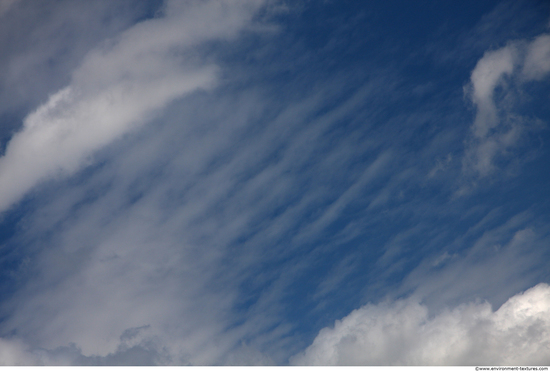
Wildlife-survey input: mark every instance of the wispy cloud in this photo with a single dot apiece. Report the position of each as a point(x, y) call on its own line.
point(200, 192)
point(116, 89)
point(157, 227)
point(497, 256)
point(43, 43)
point(496, 127)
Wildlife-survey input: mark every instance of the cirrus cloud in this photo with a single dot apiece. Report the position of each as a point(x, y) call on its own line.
point(118, 88)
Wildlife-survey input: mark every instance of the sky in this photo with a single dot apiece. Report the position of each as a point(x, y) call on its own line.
point(271, 182)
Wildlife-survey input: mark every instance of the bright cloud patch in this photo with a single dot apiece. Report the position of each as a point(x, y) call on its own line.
point(403, 333)
point(496, 129)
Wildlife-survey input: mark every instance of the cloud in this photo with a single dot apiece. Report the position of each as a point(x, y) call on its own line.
point(117, 88)
point(487, 74)
point(43, 43)
point(239, 214)
point(5, 6)
point(537, 61)
point(403, 333)
point(180, 217)
point(135, 348)
point(483, 262)
point(496, 127)
point(13, 353)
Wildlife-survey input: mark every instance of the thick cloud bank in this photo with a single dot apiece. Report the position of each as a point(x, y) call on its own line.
point(402, 333)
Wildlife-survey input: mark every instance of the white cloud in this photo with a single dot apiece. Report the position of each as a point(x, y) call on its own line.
point(489, 132)
point(134, 348)
point(44, 42)
point(487, 74)
point(403, 333)
point(537, 61)
point(496, 129)
point(14, 352)
point(117, 89)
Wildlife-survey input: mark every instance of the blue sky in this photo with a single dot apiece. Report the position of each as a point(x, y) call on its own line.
point(271, 182)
